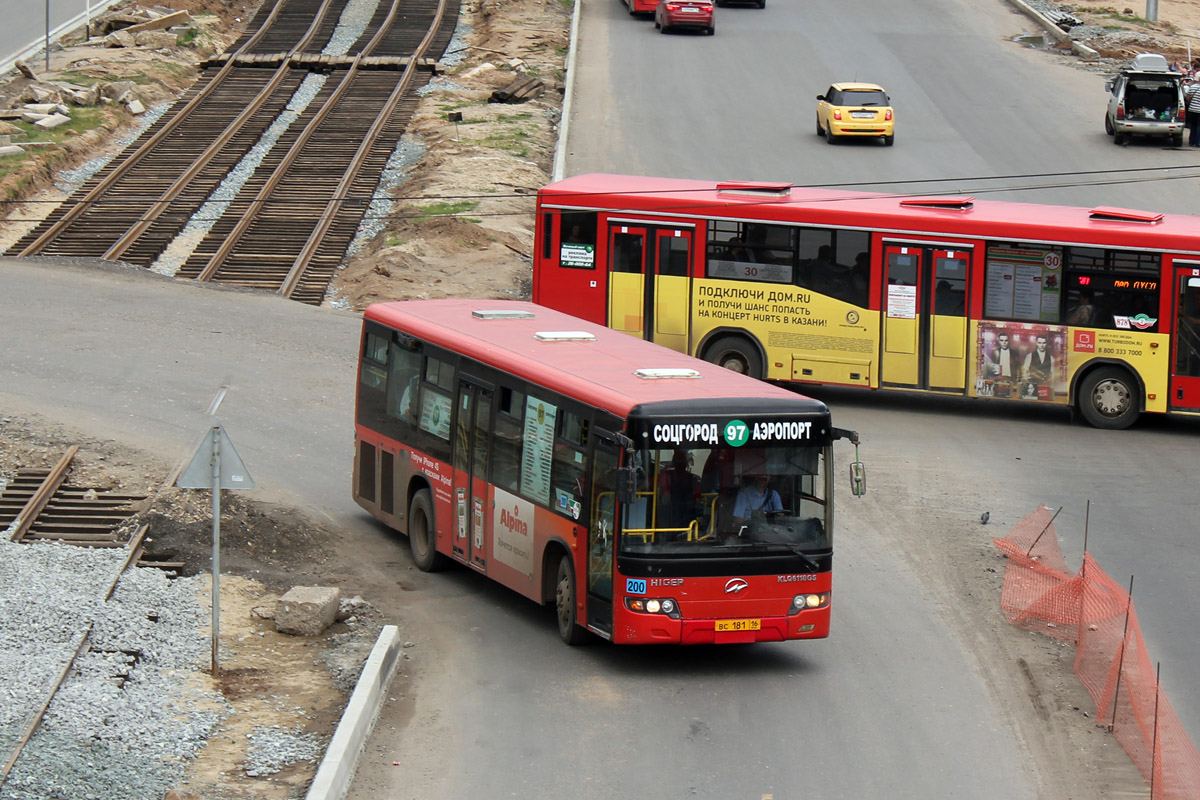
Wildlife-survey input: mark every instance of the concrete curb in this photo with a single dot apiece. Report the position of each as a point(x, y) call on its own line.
point(341, 758)
point(1058, 33)
point(560, 147)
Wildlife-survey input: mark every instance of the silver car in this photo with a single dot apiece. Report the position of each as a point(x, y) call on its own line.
point(1146, 100)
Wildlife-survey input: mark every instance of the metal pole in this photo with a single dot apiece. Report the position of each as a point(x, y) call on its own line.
point(1121, 657)
point(47, 35)
point(216, 544)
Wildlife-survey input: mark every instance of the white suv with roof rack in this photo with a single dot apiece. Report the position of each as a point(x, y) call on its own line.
point(1146, 100)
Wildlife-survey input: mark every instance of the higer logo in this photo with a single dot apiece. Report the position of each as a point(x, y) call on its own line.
point(514, 523)
point(735, 585)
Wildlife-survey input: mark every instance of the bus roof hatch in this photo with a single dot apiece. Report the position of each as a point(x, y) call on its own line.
point(755, 188)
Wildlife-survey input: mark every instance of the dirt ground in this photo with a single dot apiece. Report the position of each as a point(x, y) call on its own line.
point(498, 156)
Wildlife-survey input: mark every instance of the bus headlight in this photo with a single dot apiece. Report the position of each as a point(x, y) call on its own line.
point(653, 605)
point(802, 602)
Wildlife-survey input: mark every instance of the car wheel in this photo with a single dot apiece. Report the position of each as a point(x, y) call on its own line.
point(820, 130)
point(712, 29)
point(829, 137)
point(762, 3)
point(662, 28)
point(889, 140)
point(1107, 399)
point(1108, 128)
point(1177, 141)
point(1118, 138)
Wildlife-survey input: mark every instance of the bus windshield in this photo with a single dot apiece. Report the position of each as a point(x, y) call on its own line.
point(725, 499)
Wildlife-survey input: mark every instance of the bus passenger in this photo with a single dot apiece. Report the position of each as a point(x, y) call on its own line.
point(738, 251)
point(678, 492)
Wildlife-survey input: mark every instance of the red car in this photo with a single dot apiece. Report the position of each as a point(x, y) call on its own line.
point(685, 14)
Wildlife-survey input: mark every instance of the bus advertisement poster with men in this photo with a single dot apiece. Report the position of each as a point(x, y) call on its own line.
point(1021, 361)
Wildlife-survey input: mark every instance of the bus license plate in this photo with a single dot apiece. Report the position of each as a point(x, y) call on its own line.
point(738, 624)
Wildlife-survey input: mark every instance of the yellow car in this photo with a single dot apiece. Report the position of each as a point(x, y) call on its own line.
point(855, 110)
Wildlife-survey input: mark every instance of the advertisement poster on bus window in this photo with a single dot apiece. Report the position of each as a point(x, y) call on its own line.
point(1023, 283)
point(580, 256)
point(1021, 361)
point(539, 448)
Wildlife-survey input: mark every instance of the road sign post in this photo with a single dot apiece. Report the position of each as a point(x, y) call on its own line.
point(216, 466)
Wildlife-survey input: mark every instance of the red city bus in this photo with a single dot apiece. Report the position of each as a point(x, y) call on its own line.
point(649, 496)
point(1094, 308)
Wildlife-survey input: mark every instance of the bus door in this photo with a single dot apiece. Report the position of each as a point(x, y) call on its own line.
point(471, 425)
point(925, 318)
point(602, 531)
point(1185, 344)
point(648, 285)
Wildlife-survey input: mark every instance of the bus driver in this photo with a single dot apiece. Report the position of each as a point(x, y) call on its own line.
point(756, 497)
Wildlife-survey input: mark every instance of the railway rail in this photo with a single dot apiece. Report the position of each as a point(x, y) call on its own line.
point(291, 222)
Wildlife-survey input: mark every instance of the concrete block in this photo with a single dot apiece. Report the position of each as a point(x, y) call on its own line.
point(307, 610)
point(41, 108)
point(10, 150)
point(156, 39)
point(135, 106)
point(52, 121)
point(33, 117)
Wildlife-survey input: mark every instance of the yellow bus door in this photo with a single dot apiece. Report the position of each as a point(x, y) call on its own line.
point(649, 287)
point(1185, 343)
point(947, 353)
point(925, 318)
point(900, 364)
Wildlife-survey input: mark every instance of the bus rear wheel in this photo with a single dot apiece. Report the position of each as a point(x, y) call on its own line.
point(1106, 398)
point(736, 355)
point(422, 534)
point(564, 601)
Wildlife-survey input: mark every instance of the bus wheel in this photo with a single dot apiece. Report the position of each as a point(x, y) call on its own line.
point(564, 601)
point(422, 534)
point(1106, 398)
point(736, 355)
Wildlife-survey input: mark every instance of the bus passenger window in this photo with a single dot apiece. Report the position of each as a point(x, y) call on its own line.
point(508, 445)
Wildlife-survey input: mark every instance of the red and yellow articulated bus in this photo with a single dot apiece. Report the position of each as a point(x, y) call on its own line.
point(1094, 308)
point(650, 497)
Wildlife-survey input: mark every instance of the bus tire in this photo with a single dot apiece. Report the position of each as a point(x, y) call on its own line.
point(422, 533)
point(564, 603)
point(1107, 398)
point(736, 355)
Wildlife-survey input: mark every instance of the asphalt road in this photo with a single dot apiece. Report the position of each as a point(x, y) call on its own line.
point(897, 702)
point(27, 23)
point(978, 113)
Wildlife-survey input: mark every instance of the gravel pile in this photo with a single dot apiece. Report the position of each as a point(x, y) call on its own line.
point(127, 718)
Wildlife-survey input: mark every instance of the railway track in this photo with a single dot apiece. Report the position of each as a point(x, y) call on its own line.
point(40, 505)
point(295, 213)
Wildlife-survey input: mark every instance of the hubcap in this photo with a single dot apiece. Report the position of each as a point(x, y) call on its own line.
point(1111, 398)
point(734, 363)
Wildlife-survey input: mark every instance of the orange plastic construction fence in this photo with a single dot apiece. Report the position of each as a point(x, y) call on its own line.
point(1091, 610)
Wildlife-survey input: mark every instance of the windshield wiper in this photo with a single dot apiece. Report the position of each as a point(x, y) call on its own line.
point(795, 548)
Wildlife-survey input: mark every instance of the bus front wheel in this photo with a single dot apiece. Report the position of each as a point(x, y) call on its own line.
point(422, 533)
point(1106, 398)
point(735, 354)
point(564, 601)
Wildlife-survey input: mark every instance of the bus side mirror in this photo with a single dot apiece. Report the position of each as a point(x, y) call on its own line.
point(858, 478)
point(626, 485)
